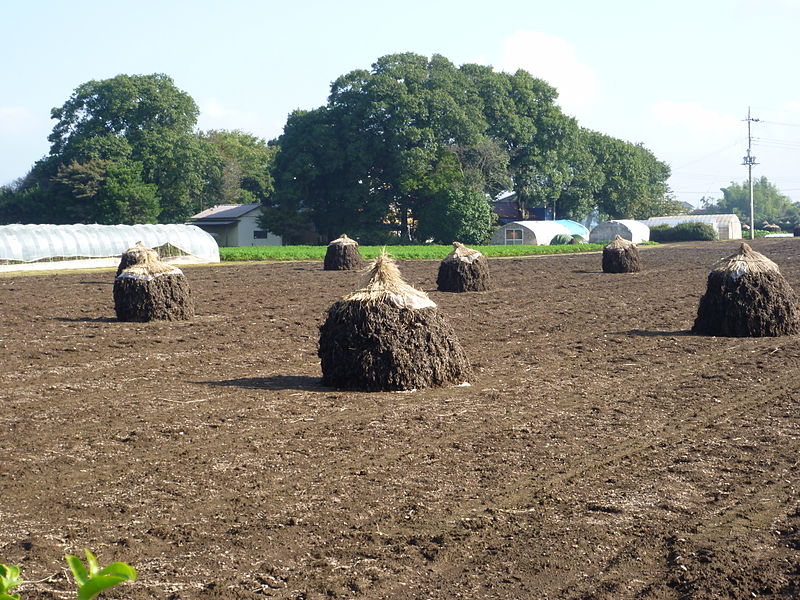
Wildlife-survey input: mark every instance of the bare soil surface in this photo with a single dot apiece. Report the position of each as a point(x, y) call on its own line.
point(602, 450)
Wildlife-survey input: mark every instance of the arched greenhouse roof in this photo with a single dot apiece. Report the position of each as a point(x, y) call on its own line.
point(70, 246)
point(574, 228)
point(627, 229)
point(534, 233)
point(726, 226)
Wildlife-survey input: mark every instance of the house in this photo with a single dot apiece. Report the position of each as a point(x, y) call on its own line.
point(235, 225)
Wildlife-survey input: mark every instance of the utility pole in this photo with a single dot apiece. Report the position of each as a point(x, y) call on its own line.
point(750, 161)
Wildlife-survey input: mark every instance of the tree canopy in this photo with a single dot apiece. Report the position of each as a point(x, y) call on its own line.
point(399, 146)
point(768, 202)
point(124, 150)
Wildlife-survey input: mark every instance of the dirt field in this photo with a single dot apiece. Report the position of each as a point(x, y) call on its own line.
point(602, 451)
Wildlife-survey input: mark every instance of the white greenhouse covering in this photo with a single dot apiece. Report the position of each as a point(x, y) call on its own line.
point(627, 229)
point(727, 227)
point(26, 247)
point(533, 233)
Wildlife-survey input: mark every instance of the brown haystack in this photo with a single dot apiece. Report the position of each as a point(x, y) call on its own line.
point(747, 296)
point(148, 289)
point(463, 270)
point(389, 336)
point(343, 255)
point(621, 256)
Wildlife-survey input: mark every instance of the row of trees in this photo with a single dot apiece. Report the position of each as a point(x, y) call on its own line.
point(769, 204)
point(125, 150)
point(416, 146)
point(413, 146)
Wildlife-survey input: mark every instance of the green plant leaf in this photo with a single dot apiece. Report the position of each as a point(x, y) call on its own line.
point(120, 569)
point(95, 580)
point(9, 578)
point(77, 568)
point(4, 596)
point(91, 561)
point(97, 584)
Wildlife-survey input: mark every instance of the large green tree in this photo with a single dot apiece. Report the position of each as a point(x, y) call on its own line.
point(124, 140)
point(463, 215)
point(239, 167)
point(398, 144)
point(633, 181)
point(389, 142)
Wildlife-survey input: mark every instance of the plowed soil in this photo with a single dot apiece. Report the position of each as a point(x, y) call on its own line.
point(601, 451)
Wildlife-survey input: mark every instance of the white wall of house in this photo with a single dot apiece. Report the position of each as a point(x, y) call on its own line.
point(248, 233)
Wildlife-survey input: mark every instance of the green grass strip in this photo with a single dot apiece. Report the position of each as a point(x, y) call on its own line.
point(427, 251)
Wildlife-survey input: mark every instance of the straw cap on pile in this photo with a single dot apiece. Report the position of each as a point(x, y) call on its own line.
point(619, 242)
point(746, 260)
point(462, 253)
point(147, 265)
point(343, 240)
point(385, 284)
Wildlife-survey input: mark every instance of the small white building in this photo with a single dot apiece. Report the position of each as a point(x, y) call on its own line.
point(627, 229)
point(727, 227)
point(532, 233)
point(235, 225)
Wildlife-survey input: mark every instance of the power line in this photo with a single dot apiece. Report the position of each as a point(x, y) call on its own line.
point(779, 123)
point(709, 155)
point(776, 143)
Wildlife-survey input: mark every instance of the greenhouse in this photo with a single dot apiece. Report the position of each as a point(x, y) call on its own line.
point(727, 227)
point(32, 247)
point(627, 229)
point(533, 233)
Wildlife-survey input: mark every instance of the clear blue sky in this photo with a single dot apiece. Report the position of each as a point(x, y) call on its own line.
point(676, 76)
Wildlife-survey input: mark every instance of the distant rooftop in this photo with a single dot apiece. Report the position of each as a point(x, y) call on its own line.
point(224, 211)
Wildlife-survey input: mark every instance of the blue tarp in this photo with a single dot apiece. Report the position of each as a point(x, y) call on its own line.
point(574, 228)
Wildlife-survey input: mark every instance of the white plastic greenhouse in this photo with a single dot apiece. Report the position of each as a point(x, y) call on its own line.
point(534, 233)
point(627, 229)
point(727, 227)
point(30, 247)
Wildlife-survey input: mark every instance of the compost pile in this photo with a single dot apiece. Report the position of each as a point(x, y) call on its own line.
point(463, 270)
point(389, 336)
point(621, 256)
point(746, 296)
point(146, 289)
point(342, 255)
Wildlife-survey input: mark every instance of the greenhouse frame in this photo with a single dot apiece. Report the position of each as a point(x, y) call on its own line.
point(39, 247)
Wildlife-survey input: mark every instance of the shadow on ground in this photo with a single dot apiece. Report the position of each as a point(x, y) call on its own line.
point(276, 382)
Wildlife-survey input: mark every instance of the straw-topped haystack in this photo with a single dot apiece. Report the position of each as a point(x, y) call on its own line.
point(389, 336)
point(343, 255)
point(463, 270)
point(621, 256)
point(148, 289)
point(747, 296)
